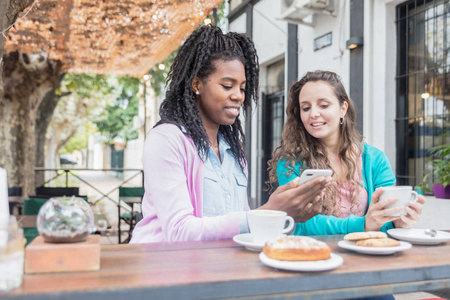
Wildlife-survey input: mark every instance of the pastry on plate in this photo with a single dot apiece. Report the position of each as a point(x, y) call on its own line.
point(356, 236)
point(387, 242)
point(297, 248)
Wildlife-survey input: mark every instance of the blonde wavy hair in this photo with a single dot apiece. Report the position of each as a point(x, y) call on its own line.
point(298, 145)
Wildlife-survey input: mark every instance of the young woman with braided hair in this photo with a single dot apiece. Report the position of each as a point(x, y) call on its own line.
point(320, 133)
point(194, 164)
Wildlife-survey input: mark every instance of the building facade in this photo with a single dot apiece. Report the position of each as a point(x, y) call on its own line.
point(392, 56)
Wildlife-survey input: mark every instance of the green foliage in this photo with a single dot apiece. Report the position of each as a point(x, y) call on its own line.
point(158, 77)
point(441, 164)
point(87, 85)
point(440, 159)
point(117, 119)
point(422, 188)
point(83, 99)
point(92, 102)
point(80, 140)
point(222, 12)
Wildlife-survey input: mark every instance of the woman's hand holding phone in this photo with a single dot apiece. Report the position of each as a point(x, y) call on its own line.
point(302, 202)
point(310, 174)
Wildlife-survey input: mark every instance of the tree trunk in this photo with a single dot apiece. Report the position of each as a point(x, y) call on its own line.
point(26, 80)
point(9, 10)
point(43, 118)
point(61, 142)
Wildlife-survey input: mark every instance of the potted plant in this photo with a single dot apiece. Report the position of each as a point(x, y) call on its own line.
point(440, 159)
point(422, 188)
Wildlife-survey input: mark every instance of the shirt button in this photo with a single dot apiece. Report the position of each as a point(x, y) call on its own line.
point(228, 196)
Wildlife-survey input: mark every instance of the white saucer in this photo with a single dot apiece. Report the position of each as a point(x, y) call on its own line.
point(374, 250)
point(418, 236)
point(305, 266)
point(246, 240)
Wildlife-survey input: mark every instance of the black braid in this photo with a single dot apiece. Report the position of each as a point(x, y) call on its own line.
point(195, 59)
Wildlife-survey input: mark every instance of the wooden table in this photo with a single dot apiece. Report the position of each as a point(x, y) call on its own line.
point(223, 269)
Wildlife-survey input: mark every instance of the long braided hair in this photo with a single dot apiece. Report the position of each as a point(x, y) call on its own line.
point(298, 145)
point(196, 58)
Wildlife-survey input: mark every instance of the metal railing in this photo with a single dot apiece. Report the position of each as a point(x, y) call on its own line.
point(71, 171)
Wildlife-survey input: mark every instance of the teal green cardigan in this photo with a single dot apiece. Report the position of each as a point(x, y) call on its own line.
point(377, 172)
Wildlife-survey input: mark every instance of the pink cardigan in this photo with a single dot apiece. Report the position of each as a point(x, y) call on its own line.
point(172, 203)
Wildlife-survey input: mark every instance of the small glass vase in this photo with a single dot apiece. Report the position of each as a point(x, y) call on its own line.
point(65, 220)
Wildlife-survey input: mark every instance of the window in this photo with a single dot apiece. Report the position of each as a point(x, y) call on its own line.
point(423, 85)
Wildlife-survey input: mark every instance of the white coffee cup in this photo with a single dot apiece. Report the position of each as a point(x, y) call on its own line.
point(266, 225)
point(403, 194)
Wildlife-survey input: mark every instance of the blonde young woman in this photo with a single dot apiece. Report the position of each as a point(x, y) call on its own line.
point(320, 133)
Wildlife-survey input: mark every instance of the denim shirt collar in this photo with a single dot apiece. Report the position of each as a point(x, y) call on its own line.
point(223, 144)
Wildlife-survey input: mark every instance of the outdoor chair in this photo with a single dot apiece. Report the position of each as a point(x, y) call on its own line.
point(130, 196)
point(31, 206)
point(57, 191)
point(15, 191)
point(50, 196)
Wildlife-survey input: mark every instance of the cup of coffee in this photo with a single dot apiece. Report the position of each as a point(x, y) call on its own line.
point(403, 194)
point(268, 224)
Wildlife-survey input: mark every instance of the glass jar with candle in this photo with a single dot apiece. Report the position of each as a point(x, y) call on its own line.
point(12, 245)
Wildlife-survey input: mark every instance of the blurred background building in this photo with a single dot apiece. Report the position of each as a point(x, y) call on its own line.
point(392, 56)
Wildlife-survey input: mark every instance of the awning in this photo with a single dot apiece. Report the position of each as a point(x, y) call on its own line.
point(122, 37)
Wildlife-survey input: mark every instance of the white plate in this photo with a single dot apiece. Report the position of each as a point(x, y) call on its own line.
point(246, 240)
point(418, 236)
point(374, 250)
point(305, 266)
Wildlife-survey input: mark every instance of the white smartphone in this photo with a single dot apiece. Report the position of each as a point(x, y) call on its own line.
point(310, 174)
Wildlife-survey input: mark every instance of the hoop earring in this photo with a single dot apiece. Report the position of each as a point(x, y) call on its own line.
point(342, 121)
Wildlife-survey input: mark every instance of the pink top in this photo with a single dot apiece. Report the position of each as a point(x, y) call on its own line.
point(172, 203)
point(344, 204)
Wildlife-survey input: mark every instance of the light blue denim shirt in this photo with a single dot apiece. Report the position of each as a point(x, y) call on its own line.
point(225, 185)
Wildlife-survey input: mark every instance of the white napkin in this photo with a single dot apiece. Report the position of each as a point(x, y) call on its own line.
point(4, 204)
point(4, 208)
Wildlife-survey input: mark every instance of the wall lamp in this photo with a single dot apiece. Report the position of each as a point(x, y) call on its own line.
point(354, 42)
